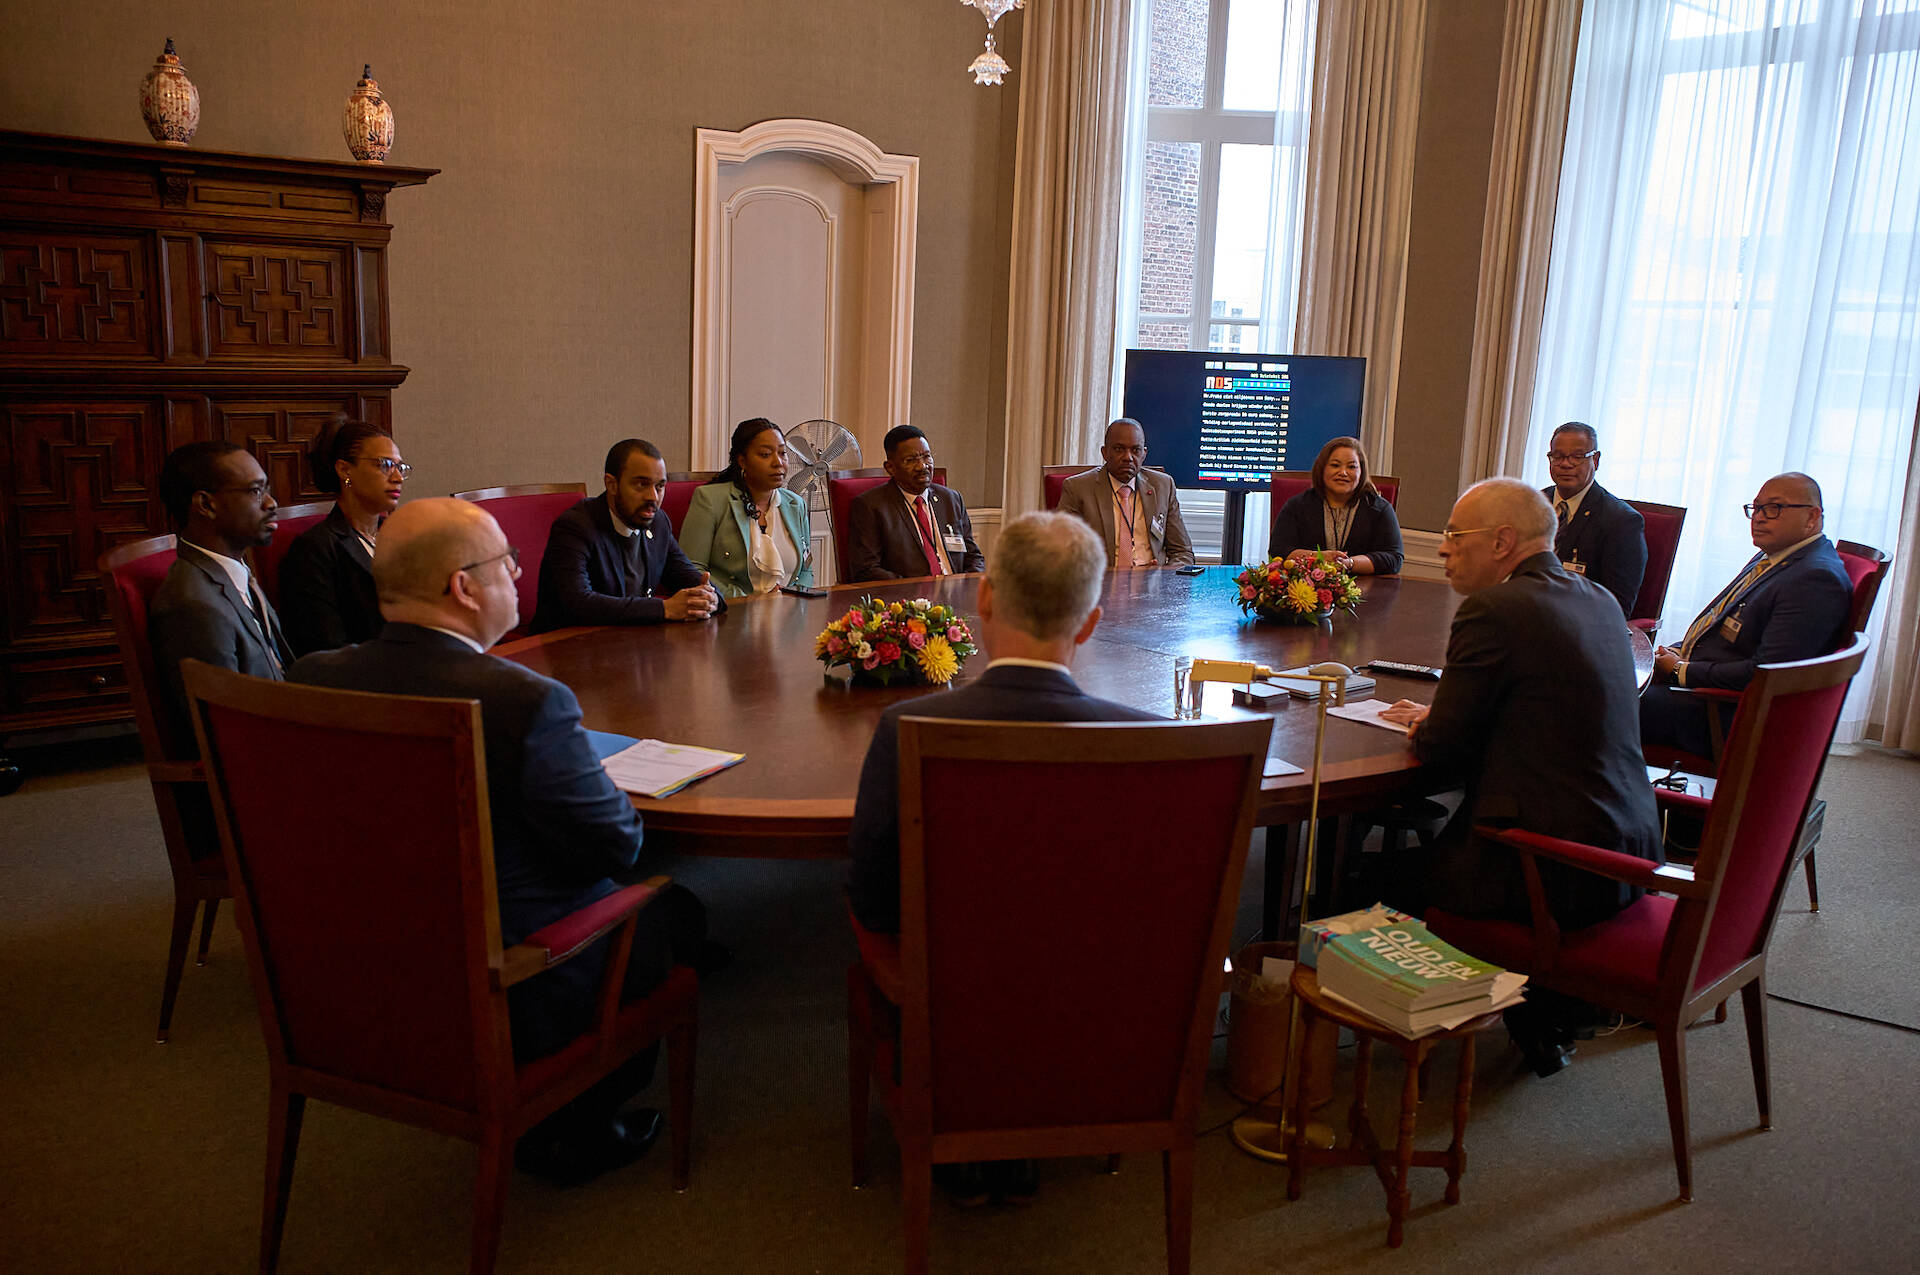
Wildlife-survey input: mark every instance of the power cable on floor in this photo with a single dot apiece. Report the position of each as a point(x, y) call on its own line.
point(1843, 1013)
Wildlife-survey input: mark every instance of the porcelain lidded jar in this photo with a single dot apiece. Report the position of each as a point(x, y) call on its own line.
point(368, 123)
point(168, 101)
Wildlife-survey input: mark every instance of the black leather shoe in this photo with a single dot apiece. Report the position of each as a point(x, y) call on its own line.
point(575, 1161)
point(1547, 1050)
point(965, 1184)
point(1014, 1181)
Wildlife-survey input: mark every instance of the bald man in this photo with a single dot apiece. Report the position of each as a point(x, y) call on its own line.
point(1792, 601)
point(445, 575)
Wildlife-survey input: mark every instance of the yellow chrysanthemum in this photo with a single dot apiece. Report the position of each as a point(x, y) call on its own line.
point(937, 661)
point(1302, 596)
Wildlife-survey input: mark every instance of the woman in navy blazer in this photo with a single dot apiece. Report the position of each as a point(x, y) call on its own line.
point(1342, 511)
point(327, 598)
point(744, 528)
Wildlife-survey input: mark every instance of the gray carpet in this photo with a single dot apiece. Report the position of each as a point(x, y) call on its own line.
point(122, 1155)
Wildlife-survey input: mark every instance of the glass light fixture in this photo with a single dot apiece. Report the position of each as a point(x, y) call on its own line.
point(990, 67)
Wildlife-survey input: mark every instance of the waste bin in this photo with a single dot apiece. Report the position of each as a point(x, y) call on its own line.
point(1259, 1019)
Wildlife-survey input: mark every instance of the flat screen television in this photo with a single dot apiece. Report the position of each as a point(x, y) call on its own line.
point(1224, 422)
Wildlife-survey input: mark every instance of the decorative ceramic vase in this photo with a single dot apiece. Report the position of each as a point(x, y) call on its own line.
point(368, 123)
point(168, 101)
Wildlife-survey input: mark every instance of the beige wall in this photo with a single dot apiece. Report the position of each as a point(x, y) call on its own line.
point(541, 285)
point(1459, 88)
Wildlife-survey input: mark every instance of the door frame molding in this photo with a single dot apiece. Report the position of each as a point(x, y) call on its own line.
point(856, 160)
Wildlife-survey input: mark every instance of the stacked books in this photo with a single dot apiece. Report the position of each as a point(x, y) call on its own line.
point(1403, 976)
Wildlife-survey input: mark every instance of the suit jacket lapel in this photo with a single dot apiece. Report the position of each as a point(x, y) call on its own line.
point(271, 641)
point(794, 514)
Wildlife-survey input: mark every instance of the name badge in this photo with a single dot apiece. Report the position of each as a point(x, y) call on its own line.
point(1730, 628)
point(954, 543)
point(1577, 567)
point(1159, 527)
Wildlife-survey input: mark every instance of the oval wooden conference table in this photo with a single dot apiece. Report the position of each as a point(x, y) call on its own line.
point(748, 682)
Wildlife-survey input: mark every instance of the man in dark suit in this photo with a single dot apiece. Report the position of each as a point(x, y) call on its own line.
point(560, 828)
point(1039, 602)
point(1792, 601)
point(611, 559)
point(1135, 509)
point(1537, 712)
point(1601, 536)
point(210, 607)
point(911, 526)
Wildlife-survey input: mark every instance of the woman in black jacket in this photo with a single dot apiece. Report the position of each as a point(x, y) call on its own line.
point(327, 598)
point(1341, 511)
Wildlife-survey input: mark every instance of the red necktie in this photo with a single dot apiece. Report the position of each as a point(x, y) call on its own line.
point(926, 536)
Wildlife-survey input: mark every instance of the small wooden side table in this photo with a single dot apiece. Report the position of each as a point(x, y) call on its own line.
point(1362, 1146)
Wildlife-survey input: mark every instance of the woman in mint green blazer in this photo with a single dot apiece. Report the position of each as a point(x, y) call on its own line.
point(744, 528)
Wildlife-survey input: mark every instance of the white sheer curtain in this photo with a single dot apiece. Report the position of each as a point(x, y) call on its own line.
point(1735, 286)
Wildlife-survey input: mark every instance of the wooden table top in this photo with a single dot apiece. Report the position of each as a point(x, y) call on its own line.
point(748, 682)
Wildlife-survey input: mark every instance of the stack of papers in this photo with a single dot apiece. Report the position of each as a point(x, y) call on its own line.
point(651, 768)
point(1301, 687)
point(1368, 712)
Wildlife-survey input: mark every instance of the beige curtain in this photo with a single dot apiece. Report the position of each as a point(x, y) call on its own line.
point(1529, 128)
point(1066, 236)
point(1366, 109)
point(1893, 717)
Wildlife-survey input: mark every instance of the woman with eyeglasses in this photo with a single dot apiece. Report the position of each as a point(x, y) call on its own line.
point(1342, 511)
point(744, 528)
point(327, 598)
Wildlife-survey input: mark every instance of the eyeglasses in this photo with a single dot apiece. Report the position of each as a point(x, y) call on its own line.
point(1450, 535)
point(512, 551)
point(1771, 509)
point(388, 465)
point(1569, 458)
point(253, 490)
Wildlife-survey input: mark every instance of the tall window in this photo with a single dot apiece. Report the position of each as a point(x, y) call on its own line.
point(1217, 146)
point(1735, 280)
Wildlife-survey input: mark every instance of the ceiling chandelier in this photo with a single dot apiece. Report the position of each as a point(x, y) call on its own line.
point(990, 67)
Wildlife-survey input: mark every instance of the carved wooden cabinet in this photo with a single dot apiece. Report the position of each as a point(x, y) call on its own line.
point(151, 296)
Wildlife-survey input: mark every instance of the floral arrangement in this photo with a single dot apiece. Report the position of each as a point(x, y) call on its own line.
point(915, 641)
point(1300, 591)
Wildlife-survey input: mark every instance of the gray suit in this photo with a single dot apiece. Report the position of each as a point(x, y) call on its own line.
point(1090, 496)
point(198, 614)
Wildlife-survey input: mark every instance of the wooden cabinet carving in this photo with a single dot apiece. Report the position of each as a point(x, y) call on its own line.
point(149, 297)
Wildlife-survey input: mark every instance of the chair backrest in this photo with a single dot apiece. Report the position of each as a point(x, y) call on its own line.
point(1284, 484)
point(678, 496)
point(287, 526)
point(1867, 568)
point(1053, 481)
point(368, 942)
point(1061, 946)
point(844, 486)
point(1662, 527)
point(1776, 750)
point(133, 573)
point(525, 514)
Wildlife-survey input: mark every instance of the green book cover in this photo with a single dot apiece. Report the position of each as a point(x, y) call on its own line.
point(1409, 964)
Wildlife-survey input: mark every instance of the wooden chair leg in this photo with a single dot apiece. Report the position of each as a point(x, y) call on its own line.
point(1177, 1169)
point(916, 1204)
point(490, 1198)
point(206, 931)
point(1813, 885)
point(1720, 1012)
point(1673, 1074)
point(284, 1113)
point(682, 1043)
point(859, 1068)
point(1753, 1001)
point(183, 908)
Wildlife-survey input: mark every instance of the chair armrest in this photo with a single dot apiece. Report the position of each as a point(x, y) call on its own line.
point(1645, 626)
point(572, 934)
point(1607, 863)
point(1692, 803)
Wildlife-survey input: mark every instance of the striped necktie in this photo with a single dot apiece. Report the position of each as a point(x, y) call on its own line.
point(1705, 621)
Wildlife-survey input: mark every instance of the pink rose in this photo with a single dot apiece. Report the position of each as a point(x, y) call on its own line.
point(1246, 591)
point(871, 662)
point(1326, 598)
point(1318, 574)
point(888, 652)
point(955, 633)
point(836, 645)
point(916, 640)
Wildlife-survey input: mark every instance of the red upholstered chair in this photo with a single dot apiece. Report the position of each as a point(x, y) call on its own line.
point(1053, 481)
point(133, 574)
point(1867, 568)
point(1284, 484)
point(525, 513)
point(287, 526)
point(844, 486)
point(1046, 1008)
point(385, 990)
point(1662, 526)
point(1389, 489)
point(1673, 956)
point(678, 496)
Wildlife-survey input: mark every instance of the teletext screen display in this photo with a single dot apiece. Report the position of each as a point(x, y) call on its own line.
point(1224, 422)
